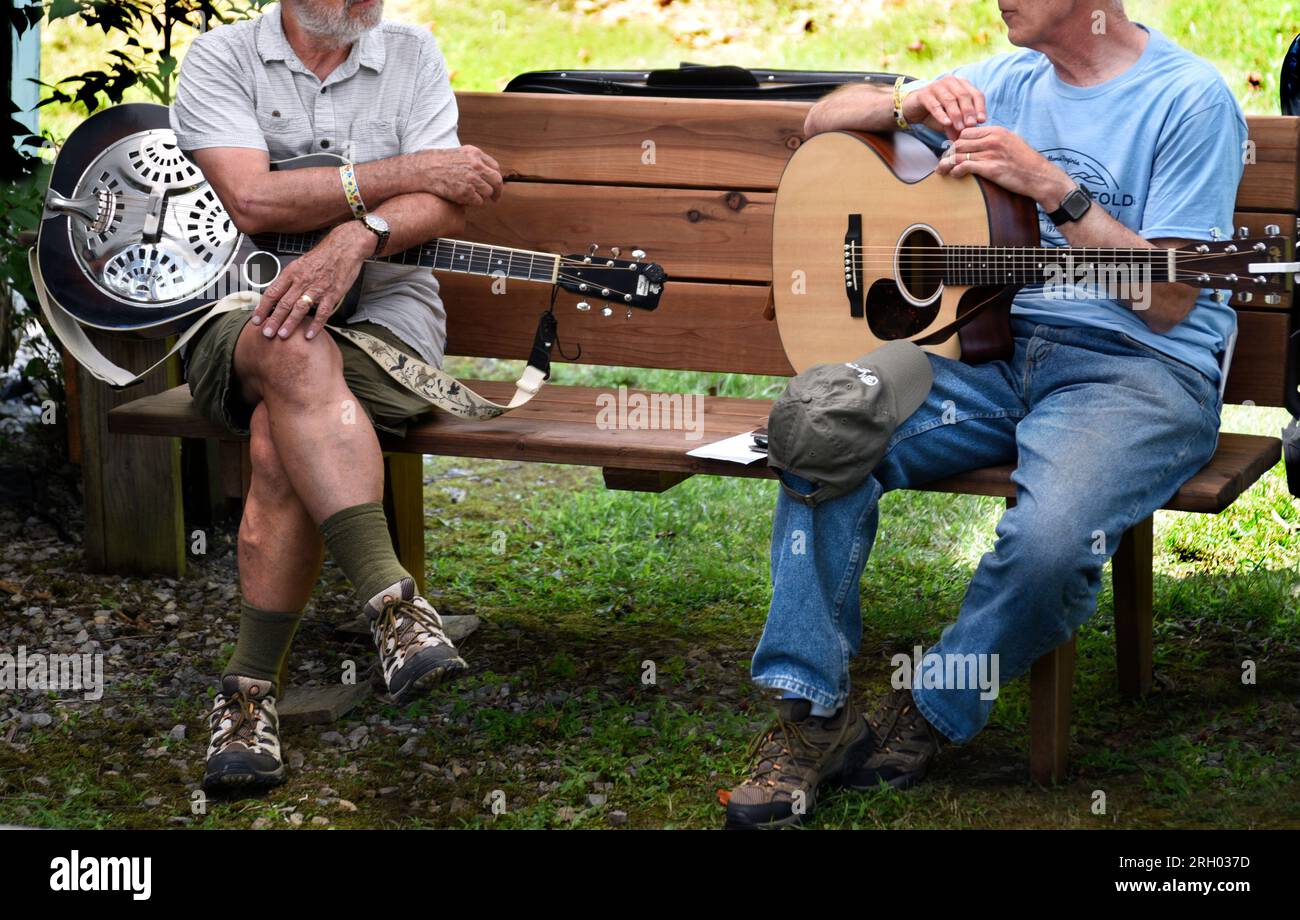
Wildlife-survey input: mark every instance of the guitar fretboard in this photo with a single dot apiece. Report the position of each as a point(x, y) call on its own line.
point(439, 255)
point(972, 265)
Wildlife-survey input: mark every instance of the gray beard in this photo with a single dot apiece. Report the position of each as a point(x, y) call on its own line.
point(337, 28)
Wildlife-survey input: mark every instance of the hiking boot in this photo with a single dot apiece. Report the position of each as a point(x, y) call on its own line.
point(791, 759)
point(414, 652)
point(903, 742)
point(245, 746)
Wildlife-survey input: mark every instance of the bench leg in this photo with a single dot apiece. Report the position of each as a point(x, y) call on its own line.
point(1131, 579)
point(131, 483)
point(404, 508)
point(1051, 680)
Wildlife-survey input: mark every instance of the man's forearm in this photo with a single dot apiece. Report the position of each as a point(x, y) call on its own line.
point(852, 108)
point(1166, 305)
point(413, 218)
point(295, 200)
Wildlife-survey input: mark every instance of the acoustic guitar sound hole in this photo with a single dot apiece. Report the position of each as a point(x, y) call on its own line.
point(920, 265)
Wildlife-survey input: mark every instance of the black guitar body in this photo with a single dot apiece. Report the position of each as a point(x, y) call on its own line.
point(250, 267)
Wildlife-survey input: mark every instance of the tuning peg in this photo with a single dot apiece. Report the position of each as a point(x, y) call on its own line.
point(1231, 279)
point(591, 252)
point(583, 306)
point(638, 254)
point(604, 292)
point(1272, 230)
point(615, 251)
point(627, 298)
point(1260, 279)
point(1243, 232)
point(1246, 296)
point(1259, 247)
point(1202, 279)
point(607, 310)
point(1220, 296)
point(1272, 299)
point(1215, 234)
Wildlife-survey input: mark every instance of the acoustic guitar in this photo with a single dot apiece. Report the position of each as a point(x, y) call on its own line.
point(134, 239)
point(871, 245)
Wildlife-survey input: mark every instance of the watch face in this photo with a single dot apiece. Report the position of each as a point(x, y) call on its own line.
point(375, 222)
point(1076, 203)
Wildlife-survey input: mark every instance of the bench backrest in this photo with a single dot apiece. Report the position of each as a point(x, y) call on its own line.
point(692, 182)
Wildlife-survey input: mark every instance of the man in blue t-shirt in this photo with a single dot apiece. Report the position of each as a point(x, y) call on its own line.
point(1108, 404)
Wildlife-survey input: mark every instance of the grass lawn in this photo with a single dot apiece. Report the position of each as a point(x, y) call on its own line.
point(580, 588)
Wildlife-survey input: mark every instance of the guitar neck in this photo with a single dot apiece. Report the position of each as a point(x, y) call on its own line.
point(440, 255)
point(979, 265)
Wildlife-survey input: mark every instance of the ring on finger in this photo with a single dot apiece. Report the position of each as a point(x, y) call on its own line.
point(968, 157)
point(308, 300)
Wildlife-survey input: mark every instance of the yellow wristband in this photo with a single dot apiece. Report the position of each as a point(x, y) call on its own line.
point(353, 193)
point(898, 105)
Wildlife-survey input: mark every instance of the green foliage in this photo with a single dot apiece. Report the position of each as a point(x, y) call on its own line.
point(147, 59)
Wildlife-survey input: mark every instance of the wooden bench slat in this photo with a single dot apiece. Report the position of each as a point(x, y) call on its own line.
point(697, 143)
point(559, 426)
point(1272, 182)
point(709, 234)
point(707, 327)
point(733, 144)
point(1259, 362)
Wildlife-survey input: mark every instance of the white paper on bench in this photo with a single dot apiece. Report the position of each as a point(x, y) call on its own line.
point(738, 449)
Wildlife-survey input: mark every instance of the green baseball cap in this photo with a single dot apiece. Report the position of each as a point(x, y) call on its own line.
point(832, 423)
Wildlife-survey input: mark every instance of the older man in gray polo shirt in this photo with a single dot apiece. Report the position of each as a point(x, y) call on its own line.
point(307, 77)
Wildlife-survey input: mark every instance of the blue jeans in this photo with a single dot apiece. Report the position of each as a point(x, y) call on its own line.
point(1102, 429)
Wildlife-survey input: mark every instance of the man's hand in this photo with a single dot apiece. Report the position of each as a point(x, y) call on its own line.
point(462, 175)
point(1000, 156)
point(324, 274)
point(950, 105)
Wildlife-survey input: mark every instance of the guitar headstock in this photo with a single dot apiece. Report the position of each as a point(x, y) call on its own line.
point(1251, 267)
point(625, 283)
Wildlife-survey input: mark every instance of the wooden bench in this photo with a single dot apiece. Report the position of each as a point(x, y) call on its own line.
point(692, 182)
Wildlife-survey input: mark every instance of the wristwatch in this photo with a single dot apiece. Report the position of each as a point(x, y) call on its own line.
point(1075, 205)
point(379, 227)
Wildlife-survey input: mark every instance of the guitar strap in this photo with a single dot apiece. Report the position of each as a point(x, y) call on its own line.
point(943, 333)
point(432, 384)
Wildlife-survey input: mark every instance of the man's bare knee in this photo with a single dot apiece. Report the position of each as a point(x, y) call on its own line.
point(296, 369)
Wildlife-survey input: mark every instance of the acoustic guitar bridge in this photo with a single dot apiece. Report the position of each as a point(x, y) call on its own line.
point(853, 257)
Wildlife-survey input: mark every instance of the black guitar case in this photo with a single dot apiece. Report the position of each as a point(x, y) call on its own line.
point(696, 81)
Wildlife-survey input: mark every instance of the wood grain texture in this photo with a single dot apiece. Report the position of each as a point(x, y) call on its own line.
point(711, 143)
point(1272, 182)
point(1134, 590)
point(697, 143)
point(404, 510)
point(708, 234)
point(708, 327)
point(1051, 682)
point(131, 485)
point(1259, 362)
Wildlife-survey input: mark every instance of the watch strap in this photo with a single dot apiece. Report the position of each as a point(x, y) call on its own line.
point(1062, 215)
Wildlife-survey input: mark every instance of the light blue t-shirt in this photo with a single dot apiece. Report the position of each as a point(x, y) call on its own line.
point(1161, 147)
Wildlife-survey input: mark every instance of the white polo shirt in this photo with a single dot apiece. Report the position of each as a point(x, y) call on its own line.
point(242, 85)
